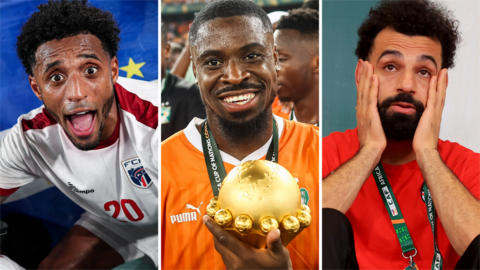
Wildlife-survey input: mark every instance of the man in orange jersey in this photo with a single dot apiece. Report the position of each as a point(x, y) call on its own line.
point(296, 38)
point(412, 199)
point(235, 63)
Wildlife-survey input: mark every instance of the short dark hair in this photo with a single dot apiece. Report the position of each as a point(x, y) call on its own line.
point(225, 9)
point(413, 18)
point(303, 20)
point(59, 19)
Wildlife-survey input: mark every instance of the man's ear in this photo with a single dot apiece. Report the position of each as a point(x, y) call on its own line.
point(358, 70)
point(35, 87)
point(114, 68)
point(316, 64)
point(167, 50)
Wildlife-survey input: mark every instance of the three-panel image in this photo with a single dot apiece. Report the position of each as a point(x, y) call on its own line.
point(239, 134)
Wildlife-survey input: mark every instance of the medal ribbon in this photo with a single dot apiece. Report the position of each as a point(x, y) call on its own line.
point(213, 160)
point(398, 222)
point(437, 262)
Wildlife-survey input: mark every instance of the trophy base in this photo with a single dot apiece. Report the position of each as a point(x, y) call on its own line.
point(260, 241)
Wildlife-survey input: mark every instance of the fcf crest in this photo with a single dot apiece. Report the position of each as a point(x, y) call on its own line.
point(136, 173)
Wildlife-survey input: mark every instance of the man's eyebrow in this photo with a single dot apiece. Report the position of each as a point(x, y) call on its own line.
point(208, 52)
point(426, 57)
point(390, 52)
point(251, 45)
point(94, 56)
point(50, 65)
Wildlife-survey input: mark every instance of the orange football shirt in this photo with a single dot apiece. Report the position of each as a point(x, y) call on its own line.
point(186, 191)
point(277, 109)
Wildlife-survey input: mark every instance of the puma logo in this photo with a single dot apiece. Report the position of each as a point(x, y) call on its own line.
point(189, 206)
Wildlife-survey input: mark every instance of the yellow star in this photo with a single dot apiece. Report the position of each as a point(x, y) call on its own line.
point(133, 69)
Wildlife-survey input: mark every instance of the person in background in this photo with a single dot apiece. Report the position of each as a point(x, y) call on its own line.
point(180, 99)
point(296, 38)
point(175, 50)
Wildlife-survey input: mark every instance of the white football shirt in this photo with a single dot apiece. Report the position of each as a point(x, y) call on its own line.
point(117, 181)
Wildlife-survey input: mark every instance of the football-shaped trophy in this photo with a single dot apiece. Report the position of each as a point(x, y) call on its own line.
point(256, 197)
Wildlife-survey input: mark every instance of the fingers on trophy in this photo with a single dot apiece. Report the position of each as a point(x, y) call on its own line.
point(256, 197)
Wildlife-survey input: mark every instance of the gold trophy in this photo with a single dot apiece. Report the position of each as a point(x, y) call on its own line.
point(256, 197)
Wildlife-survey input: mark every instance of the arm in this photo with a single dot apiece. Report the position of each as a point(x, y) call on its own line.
point(457, 209)
point(340, 189)
point(183, 61)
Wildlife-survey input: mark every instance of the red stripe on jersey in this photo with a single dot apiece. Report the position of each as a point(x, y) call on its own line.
point(145, 112)
point(40, 121)
point(112, 139)
point(7, 192)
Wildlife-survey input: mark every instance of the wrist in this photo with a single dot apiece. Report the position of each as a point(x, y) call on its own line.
point(424, 154)
point(371, 152)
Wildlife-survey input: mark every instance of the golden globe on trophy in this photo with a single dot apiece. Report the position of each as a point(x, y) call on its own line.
point(256, 197)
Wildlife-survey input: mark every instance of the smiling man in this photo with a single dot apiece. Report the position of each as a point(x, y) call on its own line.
point(296, 38)
point(95, 137)
point(235, 64)
point(404, 191)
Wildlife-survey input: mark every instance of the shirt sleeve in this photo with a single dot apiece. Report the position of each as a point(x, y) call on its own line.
point(14, 169)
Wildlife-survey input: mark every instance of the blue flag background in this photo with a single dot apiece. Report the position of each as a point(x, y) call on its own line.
point(138, 59)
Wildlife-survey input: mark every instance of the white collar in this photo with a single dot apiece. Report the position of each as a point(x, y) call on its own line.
point(193, 136)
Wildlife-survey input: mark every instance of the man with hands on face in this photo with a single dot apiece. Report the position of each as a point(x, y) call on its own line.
point(404, 51)
point(235, 64)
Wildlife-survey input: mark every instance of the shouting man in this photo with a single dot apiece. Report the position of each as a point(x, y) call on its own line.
point(235, 62)
point(411, 198)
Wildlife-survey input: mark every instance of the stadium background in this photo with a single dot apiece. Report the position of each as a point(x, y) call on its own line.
point(138, 59)
point(340, 21)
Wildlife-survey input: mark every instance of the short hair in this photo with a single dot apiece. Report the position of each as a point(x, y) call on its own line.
point(225, 9)
point(313, 4)
point(59, 19)
point(303, 20)
point(412, 18)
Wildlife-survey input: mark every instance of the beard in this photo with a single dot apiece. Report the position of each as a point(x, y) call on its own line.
point(96, 141)
point(399, 126)
point(239, 132)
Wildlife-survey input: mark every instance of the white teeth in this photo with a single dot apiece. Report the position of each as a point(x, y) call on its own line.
point(81, 113)
point(240, 99)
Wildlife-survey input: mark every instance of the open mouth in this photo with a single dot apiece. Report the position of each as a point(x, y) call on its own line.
point(236, 102)
point(82, 123)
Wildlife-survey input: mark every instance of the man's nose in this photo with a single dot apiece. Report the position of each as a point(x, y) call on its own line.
point(76, 90)
point(406, 83)
point(234, 73)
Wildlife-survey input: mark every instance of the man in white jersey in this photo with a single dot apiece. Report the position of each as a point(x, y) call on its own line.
point(95, 138)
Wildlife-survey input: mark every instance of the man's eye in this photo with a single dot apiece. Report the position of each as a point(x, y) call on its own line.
point(56, 77)
point(390, 68)
point(213, 63)
point(282, 59)
point(91, 70)
point(251, 56)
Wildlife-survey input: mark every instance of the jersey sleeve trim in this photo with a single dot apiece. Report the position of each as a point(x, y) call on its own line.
point(40, 121)
point(144, 111)
point(7, 192)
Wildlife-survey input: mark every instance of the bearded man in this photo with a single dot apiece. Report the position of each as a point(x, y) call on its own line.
point(394, 158)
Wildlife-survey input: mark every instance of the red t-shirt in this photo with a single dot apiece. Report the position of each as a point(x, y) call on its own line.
point(376, 243)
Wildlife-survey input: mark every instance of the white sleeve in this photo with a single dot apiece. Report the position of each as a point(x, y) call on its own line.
point(7, 264)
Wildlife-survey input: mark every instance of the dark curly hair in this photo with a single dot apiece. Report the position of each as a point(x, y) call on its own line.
point(303, 20)
point(413, 18)
point(61, 19)
point(225, 9)
point(313, 4)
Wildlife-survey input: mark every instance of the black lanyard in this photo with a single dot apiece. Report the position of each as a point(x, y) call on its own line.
point(213, 160)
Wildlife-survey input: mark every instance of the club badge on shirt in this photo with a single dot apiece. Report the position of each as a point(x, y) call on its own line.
point(136, 173)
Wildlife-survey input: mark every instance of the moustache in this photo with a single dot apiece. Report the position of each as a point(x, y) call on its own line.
point(402, 97)
point(241, 86)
